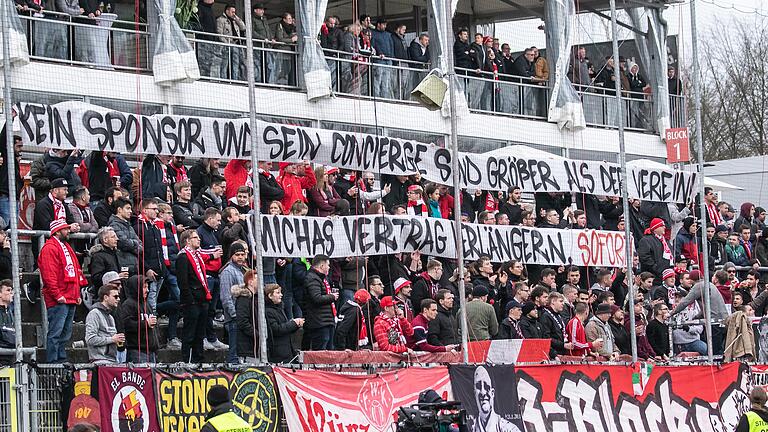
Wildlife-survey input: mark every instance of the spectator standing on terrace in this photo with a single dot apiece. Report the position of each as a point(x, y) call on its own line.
point(553, 326)
point(7, 329)
point(579, 69)
point(52, 207)
point(420, 324)
point(418, 51)
point(62, 279)
point(5, 193)
point(384, 47)
point(391, 328)
point(152, 260)
point(101, 336)
point(105, 208)
point(242, 200)
point(293, 184)
point(231, 28)
point(686, 243)
point(352, 327)
point(234, 228)
point(195, 295)
point(209, 55)
point(598, 329)
point(331, 36)
point(510, 326)
point(321, 308)
point(246, 317)
point(154, 181)
point(620, 333)
point(481, 317)
point(577, 334)
point(735, 252)
point(443, 329)
point(713, 214)
point(201, 175)
point(658, 332)
point(512, 207)
point(285, 33)
point(129, 246)
point(236, 174)
point(137, 322)
point(427, 284)
point(653, 249)
point(269, 187)
point(176, 172)
point(323, 196)
point(230, 276)
point(280, 329)
point(185, 214)
point(262, 61)
point(211, 196)
point(211, 247)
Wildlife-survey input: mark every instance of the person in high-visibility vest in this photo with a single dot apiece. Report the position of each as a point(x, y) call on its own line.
point(756, 419)
point(221, 417)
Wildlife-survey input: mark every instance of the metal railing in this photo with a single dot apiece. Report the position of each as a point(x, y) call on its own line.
point(54, 38)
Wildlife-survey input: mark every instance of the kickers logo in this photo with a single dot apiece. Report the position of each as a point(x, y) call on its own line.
point(375, 399)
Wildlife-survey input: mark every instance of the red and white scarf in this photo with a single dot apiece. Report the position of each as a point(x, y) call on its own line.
point(198, 265)
point(490, 203)
point(667, 252)
point(179, 174)
point(328, 291)
point(58, 208)
point(362, 335)
point(714, 214)
point(160, 224)
point(72, 273)
point(411, 210)
point(394, 326)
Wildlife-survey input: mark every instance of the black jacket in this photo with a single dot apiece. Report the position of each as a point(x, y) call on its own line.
point(651, 251)
point(7, 330)
point(348, 329)
point(414, 52)
point(185, 214)
point(401, 52)
point(152, 258)
point(514, 211)
point(371, 310)
point(103, 212)
point(464, 55)
point(64, 168)
point(319, 312)
point(154, 183)
point(190, 287)
point(509, 330)
point(557, 202)
point(4, 169)
point(102, 260)
point(443, 330)
point(280, 329)
point(530, 327)
point(44, 214)
point(398, 194)
point(553, 327)
point(99, 179)
point(199, 176)
point(658, 337)
point(421, 290)
point(230, 233)
point(620, 337)
point(246, 320)
point(269, 190)
point(131, 319)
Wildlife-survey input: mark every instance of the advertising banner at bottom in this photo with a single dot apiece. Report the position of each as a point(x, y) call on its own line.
point(127, 400)
point(316, 401)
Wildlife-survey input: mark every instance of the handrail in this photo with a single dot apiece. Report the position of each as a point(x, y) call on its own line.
point(83, 25)
point(70, 17)
point(78, 235)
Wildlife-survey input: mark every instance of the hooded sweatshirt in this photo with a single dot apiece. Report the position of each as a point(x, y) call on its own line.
point(132, 315)
point(99, 329)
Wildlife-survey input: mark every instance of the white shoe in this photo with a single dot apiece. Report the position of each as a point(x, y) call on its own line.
point(207, 346)
point(174, 344)
point(220, 346)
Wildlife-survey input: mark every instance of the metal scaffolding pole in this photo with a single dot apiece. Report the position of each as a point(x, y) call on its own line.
point(11, 164)
point(624, 181)
point(704, 262)
point(451, 72)
point(255, 235)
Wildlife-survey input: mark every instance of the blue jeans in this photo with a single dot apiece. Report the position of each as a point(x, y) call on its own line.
point(154, 289)
point(135, 356)
point(232, 357)
point(696, 346)
point(59, 332)
point(5, 207)
point(321, 338)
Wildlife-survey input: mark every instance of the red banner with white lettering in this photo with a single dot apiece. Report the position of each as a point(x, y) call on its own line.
point(315, 401)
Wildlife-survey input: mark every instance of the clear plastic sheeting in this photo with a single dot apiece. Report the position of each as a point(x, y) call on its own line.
point(174, 60)
point(653, 53)
point(317, 75)
point(565, 107)
point(441, 40)
point(17, 40)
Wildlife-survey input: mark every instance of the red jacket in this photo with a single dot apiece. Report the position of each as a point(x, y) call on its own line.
point(446, 203)
point(294, 186)
point(578, 337)
point(392, 338)
point(56, 284)
point(236, 175)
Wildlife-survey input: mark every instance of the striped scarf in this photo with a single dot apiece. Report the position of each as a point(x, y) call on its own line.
point(714, 214)
point(160, 224)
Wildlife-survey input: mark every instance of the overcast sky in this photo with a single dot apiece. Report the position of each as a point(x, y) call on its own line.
point(593, 29)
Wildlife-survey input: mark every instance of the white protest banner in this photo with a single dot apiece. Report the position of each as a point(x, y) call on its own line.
point(88, 127)
point(338, 237)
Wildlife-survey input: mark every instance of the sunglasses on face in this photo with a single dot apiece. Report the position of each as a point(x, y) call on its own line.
point(483, 386)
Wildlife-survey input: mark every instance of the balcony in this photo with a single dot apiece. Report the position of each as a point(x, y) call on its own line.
point(57, 38)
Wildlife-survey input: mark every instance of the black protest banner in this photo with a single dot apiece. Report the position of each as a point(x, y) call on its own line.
point(289, 236)
point(489, 395)
point(182, 403)
point(70, 125)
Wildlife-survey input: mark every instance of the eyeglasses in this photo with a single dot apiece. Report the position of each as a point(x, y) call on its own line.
point(152, 208)
point(483, 386)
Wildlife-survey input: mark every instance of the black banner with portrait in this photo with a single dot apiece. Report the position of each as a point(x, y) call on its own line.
point(489, 395)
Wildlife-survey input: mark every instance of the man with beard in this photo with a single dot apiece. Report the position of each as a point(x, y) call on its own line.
point(553, 326)
point(485, 395)
point(512, 207)
point(443, 329)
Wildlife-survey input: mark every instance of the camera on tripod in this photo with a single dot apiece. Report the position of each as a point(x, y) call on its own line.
point(432, 414)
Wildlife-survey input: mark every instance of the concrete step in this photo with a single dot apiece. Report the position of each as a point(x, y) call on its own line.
point(80, 355)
